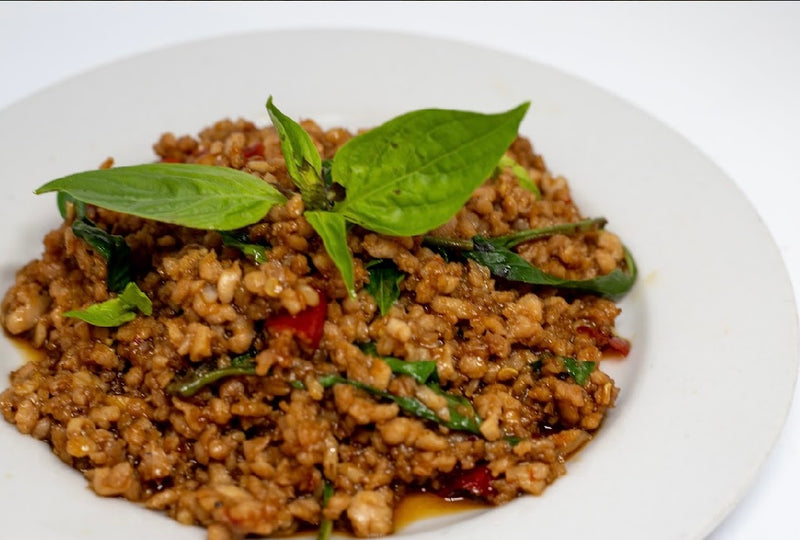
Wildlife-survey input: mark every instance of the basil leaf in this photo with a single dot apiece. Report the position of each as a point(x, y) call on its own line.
point(421, 371)
point(506, 264)
point(410, 405)
point(303, 161)
point(64, 200)
point(241, 241)
point(199, 196)
point(205, 375)
point(514, 239)
point(522, 175)
point(111, 247)
point(413, 173)
point(384, 283)
point(116, 311)
point(135, 298)
point(579, 370)
point(462, 414)
point(333, 231)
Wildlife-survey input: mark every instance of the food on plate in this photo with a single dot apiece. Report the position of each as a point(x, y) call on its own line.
point(287, 328)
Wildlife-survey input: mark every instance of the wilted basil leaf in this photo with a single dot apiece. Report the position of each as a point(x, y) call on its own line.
point(112, 248)
point(384, 283)
point(241, 241)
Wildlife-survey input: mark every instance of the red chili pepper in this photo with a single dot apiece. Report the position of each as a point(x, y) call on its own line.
point(170, 160)
point(606, 341)
point(476, 482)
point(256, 149)
point(619, 345)
point(307, 325)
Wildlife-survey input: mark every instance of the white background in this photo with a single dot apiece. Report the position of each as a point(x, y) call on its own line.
point(726, 76)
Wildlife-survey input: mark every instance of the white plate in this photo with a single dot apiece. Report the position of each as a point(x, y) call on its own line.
point(705, 389)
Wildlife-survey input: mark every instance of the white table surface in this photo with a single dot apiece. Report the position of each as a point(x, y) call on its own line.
point(726, 76)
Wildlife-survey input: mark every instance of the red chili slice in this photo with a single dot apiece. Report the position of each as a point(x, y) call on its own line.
point(475, 482)
point(619, 345)
point(256, 149)
point(606, 341)
point(307, 325)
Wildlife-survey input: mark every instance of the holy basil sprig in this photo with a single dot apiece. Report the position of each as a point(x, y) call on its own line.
point(384, 283)
point(496, 255)
point(403, 178)
point(116, 311)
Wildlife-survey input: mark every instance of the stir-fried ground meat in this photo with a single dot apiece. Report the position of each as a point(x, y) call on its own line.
point(250, 454)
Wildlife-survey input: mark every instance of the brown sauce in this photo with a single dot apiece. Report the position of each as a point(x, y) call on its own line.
point(418, 506)
point(28, 353)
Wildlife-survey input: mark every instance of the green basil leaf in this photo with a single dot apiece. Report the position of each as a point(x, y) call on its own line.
point(522, 175)
point(333, 231)
point(241, 241)
point(108, 314)
point(134, 297)
point(199, 196)
point(579, 370)
point(384, 283)
point(64, 200)
point(111, 247)
point(421, 371)
point(116, 311)
point(410, 405)
point(514, 239)
point(413, 173)
point(205, 375)
point(462, 415)
point(303, 161)
point(506, 264)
